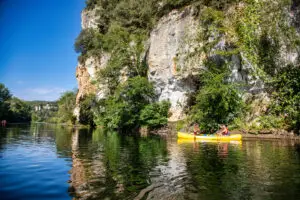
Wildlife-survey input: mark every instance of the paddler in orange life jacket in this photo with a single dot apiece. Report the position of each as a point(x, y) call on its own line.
point(224, 131)
point(196, 129)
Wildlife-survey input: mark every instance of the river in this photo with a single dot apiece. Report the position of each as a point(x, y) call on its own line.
point(43, 161)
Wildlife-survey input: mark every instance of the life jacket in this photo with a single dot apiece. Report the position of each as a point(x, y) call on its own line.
point(226, 131)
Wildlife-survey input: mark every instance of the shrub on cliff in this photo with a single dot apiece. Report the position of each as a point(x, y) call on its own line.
point(218, 101)
point(155, 115)
point(130, 107)
point(286, 96)
point(88, 43)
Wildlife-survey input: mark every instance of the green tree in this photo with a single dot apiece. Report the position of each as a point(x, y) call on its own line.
point(20, 111)
point(66, 106)
point(122, 110)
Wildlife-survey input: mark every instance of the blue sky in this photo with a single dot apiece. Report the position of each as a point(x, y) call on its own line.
point(37, 57)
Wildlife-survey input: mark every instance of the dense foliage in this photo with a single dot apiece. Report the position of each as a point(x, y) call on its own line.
point(20, 110)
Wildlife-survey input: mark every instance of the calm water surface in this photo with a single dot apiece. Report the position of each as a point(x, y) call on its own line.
point(53, 162)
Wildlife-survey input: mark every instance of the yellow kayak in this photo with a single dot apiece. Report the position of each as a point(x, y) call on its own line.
point(186, 141)
point(191, 136)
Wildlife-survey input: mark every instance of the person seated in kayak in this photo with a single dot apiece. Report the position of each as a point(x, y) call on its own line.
point(223, 130)
point(196, 129)
point(226, 131)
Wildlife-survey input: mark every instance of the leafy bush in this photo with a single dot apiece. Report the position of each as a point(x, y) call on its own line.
point(155, 115)
point(110, 113)
point(286, 95)
point(122, 109)
point(217, 102)
point(270, 121)
point(89, 42)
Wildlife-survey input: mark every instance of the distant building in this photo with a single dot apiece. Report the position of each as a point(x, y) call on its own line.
point(38, 108)
point(47, 106)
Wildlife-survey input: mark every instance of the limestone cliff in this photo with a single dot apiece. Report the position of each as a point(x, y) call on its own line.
point(89, 19)
point(174, 60)
point(86, 72)
point(167, 53)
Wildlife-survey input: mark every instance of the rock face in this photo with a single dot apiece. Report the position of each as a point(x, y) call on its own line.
point(172, 69)
point(89, 19)
point(86, 72)
point(167, 57)
point(83, 77)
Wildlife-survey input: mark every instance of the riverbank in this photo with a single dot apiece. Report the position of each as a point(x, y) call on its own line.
point(267, 134)
point(271, 136)
point(170, 130)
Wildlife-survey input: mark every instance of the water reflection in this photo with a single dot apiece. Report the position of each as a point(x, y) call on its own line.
point(168, 179)
point(213, 171)
point(112, 166)
point(223, 150)
point(109, 165)
point(56, 162)
point(252, 170)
